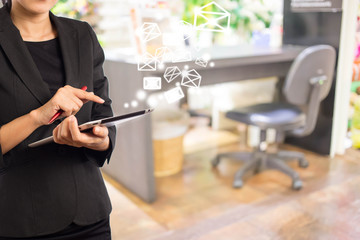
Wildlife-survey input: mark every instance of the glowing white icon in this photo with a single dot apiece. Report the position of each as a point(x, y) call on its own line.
point(134, 104)
point(174, 95)
point(217, 20)
point(191, 79)
point(171, 73)
point(163, 54)
point(201, 62)
point(147, 63)
point(172, 39)
point(152, 83)
point(181, 56)
point(161, 66)
point(197, 47)
point(141, 95)
point(150, 31)
point(186, 29)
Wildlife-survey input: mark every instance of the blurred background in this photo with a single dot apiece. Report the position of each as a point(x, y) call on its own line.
point(257, 23)
point(252, 21)
point(178, 195)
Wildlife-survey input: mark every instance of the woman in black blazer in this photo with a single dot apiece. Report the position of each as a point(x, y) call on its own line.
point(55, 191)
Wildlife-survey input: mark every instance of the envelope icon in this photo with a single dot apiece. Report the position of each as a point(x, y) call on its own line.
point(181, 56)
point(186, 29)
point(212, 17)
point(149, 31)
point(163, 54)
point(174, 95)
point(201, 62)
point(172, 39)
point(191, 79)
point(171, 73)
point(152, 83)
point(197, 47)
point(147, 63)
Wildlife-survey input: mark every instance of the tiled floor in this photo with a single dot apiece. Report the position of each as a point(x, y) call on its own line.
point(128, 221)
point(200, 203)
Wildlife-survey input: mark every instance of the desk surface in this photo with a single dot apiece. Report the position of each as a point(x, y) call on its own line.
point(132, 160)
point(229, 56)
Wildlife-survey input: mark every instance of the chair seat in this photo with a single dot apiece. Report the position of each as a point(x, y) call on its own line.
point(280, 116)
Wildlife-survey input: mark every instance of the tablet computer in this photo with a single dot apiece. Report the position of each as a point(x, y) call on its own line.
point(108, 122)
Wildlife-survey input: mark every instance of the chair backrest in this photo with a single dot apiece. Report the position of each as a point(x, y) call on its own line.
point(309, 81)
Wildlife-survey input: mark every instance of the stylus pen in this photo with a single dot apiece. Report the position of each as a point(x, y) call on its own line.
point(61, 111)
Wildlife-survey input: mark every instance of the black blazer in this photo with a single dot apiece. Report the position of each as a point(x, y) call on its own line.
point(43, 190)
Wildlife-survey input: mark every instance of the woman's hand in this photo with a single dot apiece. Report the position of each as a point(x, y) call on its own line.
point(68, 133)
point(68, 99)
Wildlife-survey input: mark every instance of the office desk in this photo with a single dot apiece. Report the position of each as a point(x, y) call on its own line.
point(132, 160)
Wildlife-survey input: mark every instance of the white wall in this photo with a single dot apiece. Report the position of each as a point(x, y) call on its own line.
point(344, 76)
point(115, 23)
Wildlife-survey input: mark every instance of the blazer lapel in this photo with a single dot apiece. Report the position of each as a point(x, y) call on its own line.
point(21, 59)
point(23, 63)
point(69, 42)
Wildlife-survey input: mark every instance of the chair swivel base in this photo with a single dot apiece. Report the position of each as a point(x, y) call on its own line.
point(257, 161)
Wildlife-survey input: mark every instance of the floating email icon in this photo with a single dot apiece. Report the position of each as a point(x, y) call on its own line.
point(186, 29)
point(174, 95)
point(215, 20)
point(181, 56)
point(163, 54)
point(152, 83)
point(197, 47)
point(171, 73)
point(201, 62)
point(150, 31)
point(191, 79)
point(173, 39)
point(147, 63)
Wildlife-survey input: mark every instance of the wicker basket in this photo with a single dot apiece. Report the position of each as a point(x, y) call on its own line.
point(168, 156)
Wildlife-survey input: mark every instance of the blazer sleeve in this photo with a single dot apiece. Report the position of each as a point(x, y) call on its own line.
point(101, 88)
point(2, 164)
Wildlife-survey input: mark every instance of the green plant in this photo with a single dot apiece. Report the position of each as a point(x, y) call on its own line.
point(246, 15)
point(77, 9)
point(191, 6)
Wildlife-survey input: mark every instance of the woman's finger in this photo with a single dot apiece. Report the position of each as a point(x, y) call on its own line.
point(68, 133)
point(74, 130)
point(55, 135)
point(65, 132)
point(87, 96)
point(78, 102)
point(100, 131)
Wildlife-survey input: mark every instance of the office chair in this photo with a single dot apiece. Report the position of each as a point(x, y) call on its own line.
point(307, 83)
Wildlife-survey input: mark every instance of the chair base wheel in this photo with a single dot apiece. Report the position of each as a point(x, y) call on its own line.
point(257, 170)
point(215, 162)
point(297, 185)
point(303, 163)
point(238, 184)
